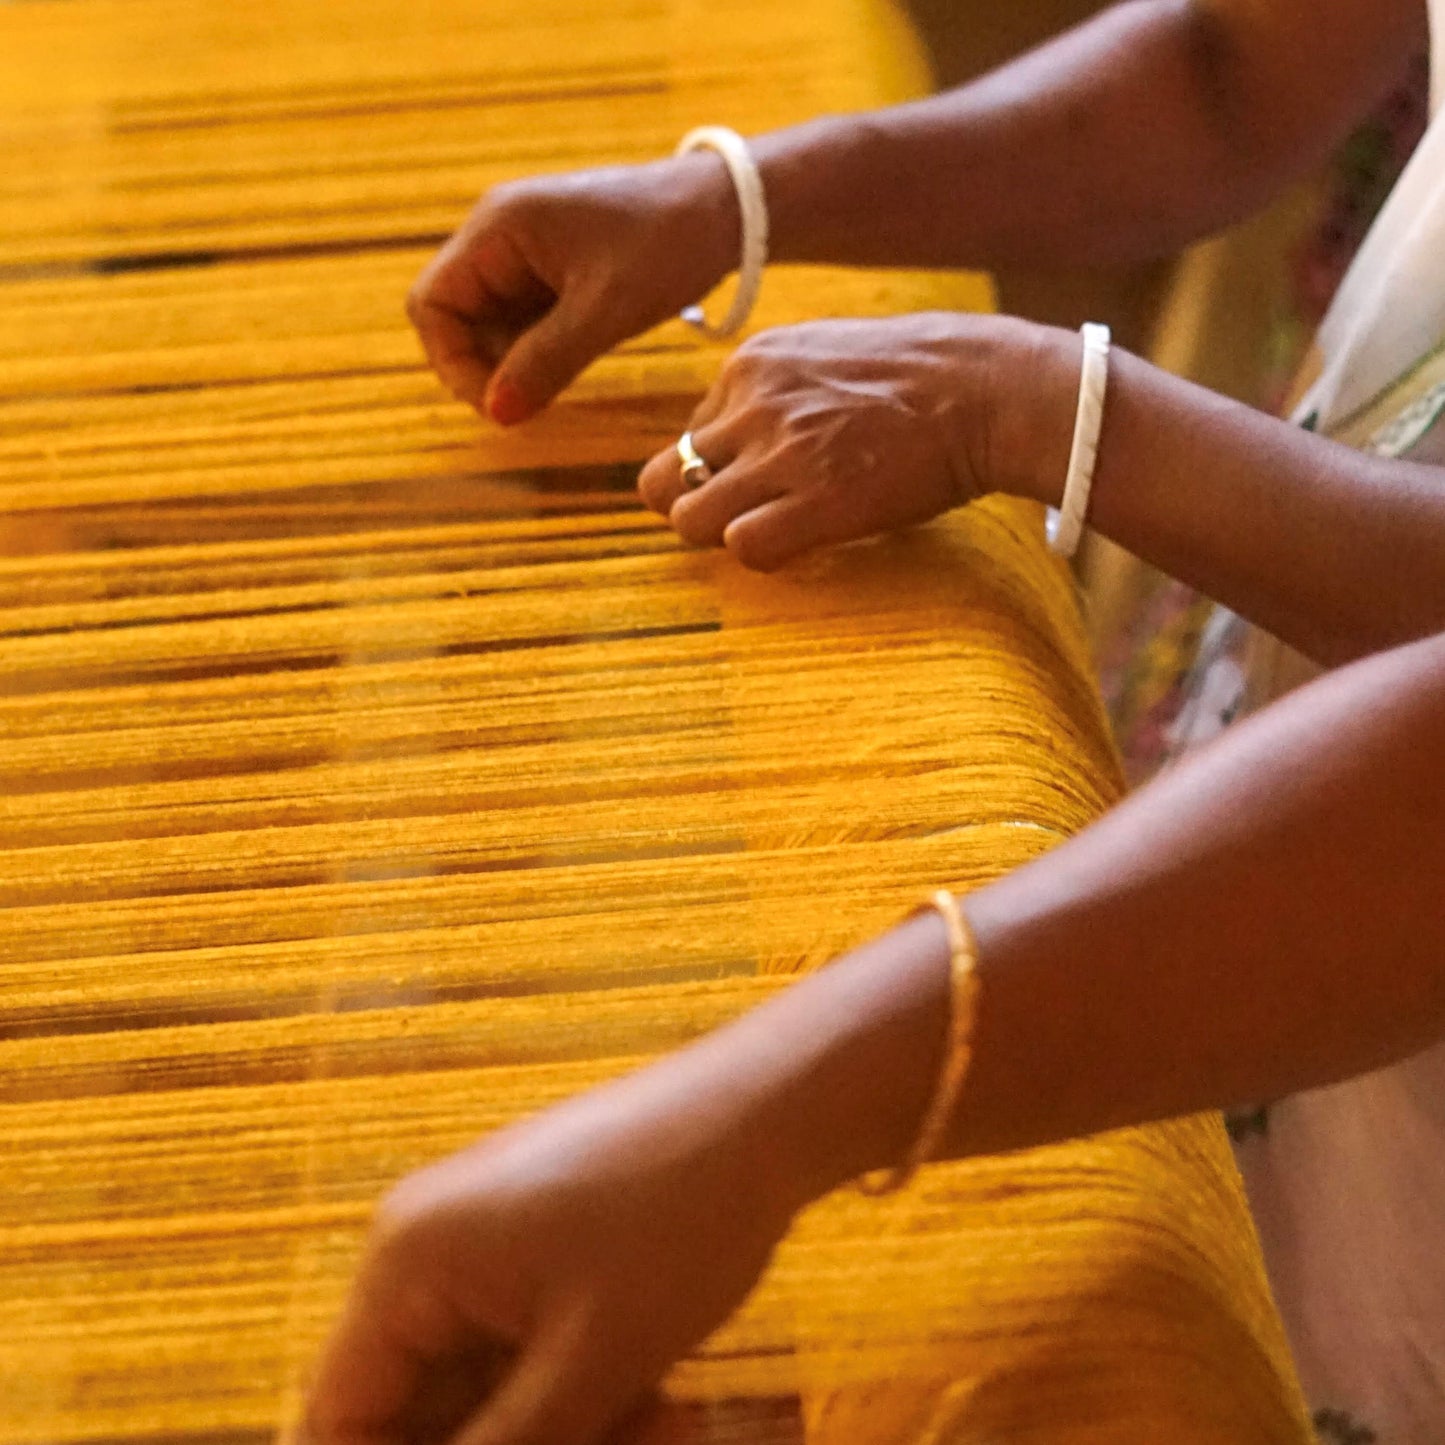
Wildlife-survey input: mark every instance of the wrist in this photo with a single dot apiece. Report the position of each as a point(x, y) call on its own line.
point(806, 171)
point(847, 1062)
point(703, 193)
point(1033, 398)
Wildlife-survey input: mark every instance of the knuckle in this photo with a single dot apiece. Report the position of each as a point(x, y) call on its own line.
point(399, 1269)
point(744, 365)
point(506, 197)
point(761, 343)
point(398, 1220)
point(513, 206)
point(761, 365)
point(497, 210)
point(775, 346)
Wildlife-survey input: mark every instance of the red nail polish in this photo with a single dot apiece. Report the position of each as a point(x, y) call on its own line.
point(506, 405)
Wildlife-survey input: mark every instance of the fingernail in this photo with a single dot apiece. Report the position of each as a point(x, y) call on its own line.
point(505, 404)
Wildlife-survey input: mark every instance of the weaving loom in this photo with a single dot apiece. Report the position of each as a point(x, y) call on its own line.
point(373, 778)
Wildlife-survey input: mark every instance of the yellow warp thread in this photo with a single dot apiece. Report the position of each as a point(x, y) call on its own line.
point(373, 779)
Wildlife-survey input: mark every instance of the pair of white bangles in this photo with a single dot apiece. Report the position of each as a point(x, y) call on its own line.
point(1066, 525)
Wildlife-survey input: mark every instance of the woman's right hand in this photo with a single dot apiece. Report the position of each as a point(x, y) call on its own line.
point(547, 274)
point(533, 1289)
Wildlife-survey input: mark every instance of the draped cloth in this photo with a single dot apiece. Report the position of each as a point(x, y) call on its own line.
point(373, 778)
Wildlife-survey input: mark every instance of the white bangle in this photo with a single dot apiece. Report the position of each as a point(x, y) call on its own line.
point(1066, 526)
point(749, 185)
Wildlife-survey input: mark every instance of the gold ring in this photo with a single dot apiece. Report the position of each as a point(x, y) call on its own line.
point(695, 471)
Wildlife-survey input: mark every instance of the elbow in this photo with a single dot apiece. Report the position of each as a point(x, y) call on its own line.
point(1254, 147)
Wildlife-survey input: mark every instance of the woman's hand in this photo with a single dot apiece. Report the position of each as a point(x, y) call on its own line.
point(835, 430)
point(548, 274)
point(536, 1287)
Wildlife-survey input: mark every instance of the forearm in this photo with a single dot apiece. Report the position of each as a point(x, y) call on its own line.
point(1264, 918)
point(1338, 553)
point(1151, 125)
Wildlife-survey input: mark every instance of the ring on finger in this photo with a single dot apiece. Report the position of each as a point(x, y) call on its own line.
point(695, 471)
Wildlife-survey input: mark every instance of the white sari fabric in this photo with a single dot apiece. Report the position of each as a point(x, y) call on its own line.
point(1348, 1183)
point(1381, 348)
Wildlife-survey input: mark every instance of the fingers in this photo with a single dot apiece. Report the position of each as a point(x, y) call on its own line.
point(542, 361)
point(702, 516)
point(470, 303)
point(741, 480)
point(366, 1378)
point(450, 341)
point(771, 535)
point(507, 359)
point(561, 1392)
point(660, 481)
point(737, 506)
point(717, 436)
point(498, 336)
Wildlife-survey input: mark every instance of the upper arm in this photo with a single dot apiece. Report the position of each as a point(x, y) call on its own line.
point(1287, 79)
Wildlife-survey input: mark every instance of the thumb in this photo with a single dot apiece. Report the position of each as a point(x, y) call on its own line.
point(541, 362)
point(560, 1391)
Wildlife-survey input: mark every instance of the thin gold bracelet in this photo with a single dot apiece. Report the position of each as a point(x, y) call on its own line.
point(963, 1006)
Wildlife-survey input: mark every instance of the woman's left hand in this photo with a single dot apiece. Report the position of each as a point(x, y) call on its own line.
point(834, 430)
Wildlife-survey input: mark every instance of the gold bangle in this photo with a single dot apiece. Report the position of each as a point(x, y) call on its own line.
point(963, 1005)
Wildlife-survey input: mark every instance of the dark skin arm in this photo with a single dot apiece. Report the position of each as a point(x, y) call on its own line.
point(1156, 123)
point(1336, 552)
point(1262, 919)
